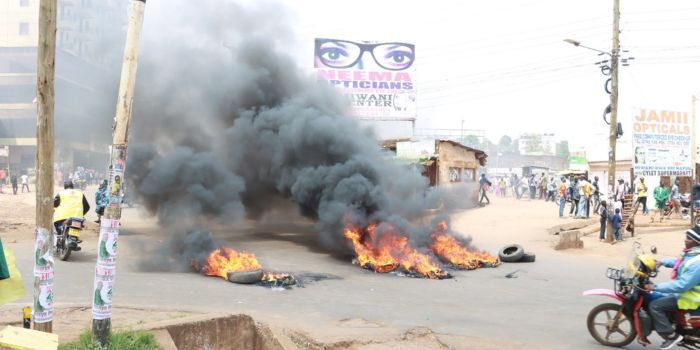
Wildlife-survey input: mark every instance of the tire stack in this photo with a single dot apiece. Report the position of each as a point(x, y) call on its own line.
point(515, 253)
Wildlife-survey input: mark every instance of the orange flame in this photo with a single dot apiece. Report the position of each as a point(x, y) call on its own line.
point(224, 260)
point(452, 252)
point(390, 251)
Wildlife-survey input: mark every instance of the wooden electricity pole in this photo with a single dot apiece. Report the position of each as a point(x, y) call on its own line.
point(43, 264)
point(109, 228)
point(613, 108)
point(693, 158)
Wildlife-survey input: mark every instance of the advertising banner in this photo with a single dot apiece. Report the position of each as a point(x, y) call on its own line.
point(662, 143)
point(376, 77)
point(578, 161)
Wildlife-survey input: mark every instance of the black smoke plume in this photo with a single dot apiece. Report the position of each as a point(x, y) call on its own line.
point(229, 126)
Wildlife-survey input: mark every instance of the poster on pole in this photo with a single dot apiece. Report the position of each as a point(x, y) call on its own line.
point(105, 269)
point(43, 277)
point(662, 142)
point(378, 78)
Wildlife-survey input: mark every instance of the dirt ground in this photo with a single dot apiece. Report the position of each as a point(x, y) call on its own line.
point(362, 310)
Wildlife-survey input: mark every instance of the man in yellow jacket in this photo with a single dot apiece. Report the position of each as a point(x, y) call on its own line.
point(69, 203)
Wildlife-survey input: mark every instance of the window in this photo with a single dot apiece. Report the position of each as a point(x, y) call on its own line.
point(24, 28)
point(24, 3)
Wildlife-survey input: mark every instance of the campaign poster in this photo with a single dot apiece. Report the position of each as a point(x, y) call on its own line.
point(662, 142)
point(377, 78)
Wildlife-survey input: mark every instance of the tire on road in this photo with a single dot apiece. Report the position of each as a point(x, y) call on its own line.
point(245, 277)
point(511, 253)
point(527, 258)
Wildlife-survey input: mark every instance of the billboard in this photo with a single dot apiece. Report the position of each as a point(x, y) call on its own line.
point(377, 78)
point(578, 161)
point(662, 143)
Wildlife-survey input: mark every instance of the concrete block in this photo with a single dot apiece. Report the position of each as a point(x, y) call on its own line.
point(568, 240)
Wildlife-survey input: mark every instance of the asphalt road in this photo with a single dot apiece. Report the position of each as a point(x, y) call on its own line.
point(542, 308)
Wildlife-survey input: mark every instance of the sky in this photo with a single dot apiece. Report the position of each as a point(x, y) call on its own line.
point(502, 66)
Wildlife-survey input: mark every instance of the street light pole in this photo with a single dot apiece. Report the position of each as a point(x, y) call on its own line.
point(613, 107)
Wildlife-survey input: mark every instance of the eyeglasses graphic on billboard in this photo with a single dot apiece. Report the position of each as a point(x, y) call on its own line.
point(393, 56)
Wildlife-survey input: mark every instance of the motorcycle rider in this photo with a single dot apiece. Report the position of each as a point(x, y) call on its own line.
point(682, 293)
point(69, 203)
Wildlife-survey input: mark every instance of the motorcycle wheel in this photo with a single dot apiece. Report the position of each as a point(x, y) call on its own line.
point(63, 251)
point(605, 330)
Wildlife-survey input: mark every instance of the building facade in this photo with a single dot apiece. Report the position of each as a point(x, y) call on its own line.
point(86, 42)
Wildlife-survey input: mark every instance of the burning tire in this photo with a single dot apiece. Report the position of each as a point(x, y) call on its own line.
point(511, 253)
point(527, 258)
point(245, 277)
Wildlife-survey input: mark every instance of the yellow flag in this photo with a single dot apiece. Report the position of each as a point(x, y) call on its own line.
point(11, 288)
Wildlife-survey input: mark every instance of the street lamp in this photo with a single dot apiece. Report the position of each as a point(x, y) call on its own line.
point(614, 56)
point(578, 43)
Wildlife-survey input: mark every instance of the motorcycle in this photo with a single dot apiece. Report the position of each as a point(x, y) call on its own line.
point(68, 239)
point(618, 324)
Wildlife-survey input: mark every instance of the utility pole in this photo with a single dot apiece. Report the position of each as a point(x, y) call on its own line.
point(693, 157)
point(613, 108)
point(43, 259)
point(109, 227)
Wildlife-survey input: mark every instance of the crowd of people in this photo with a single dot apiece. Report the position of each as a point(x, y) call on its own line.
point(14, 181)
point(585, 198)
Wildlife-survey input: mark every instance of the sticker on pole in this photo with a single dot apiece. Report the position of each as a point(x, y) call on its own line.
point(102, 296)
point(43, 276)
point(107, 245)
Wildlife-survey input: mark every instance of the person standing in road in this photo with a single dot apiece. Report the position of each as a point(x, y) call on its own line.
point(13, 181)
point(676, 198)
point(661, 197)
point(524, 185)
point(101, 201)
point(543, 187)
point(484, 184)
point(642, 195)
point(582, 207)
point(25, 182)
point(3, 176)
point(533, 186)
point(596, 195)
point(573, 196)
point(551, 189)
point(503, 186)
point(617, 225)
point(603, 211)
point(562, 196)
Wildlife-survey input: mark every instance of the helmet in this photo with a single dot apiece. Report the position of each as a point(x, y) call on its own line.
point(647, 266)
point(68, 184)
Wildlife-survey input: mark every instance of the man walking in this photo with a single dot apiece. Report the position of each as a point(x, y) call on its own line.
point(676, 198)
point(484, 184)
point(25, 182)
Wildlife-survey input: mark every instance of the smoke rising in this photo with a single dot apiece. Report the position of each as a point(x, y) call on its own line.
point(228, 126)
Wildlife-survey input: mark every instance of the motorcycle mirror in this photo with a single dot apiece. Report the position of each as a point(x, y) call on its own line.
point(653, 249)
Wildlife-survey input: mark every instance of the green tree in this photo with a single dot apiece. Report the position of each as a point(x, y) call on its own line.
point(562, 149)
point(505, 144)
point(471, 141)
